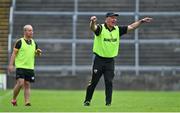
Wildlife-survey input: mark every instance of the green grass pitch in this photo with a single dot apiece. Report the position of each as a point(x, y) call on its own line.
point(72, 101)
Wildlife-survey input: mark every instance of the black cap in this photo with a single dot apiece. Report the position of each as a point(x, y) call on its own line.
point(111, 14)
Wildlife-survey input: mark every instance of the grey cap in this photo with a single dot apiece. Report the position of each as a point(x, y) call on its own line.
point(111, 14)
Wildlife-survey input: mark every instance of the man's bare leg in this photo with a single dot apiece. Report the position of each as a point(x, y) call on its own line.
point(27, 86)
point(16, 90)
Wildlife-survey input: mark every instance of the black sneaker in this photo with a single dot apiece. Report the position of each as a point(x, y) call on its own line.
point(108, 104)
point(28, 104)
point(86, 103)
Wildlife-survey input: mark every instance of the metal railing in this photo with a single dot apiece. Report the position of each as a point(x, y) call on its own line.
point(74, 41)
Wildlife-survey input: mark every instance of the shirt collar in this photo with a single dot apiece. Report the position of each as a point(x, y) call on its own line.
point(28, 41)
point(108, 28)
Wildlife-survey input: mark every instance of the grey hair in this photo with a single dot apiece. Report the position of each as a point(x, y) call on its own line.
point(26, 26)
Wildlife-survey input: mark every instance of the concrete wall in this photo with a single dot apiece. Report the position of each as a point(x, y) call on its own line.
point(123, 82)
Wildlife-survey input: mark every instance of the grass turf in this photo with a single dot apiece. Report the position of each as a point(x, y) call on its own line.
point(72, 101)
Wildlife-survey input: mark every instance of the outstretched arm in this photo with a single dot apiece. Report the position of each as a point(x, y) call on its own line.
point(136, 24)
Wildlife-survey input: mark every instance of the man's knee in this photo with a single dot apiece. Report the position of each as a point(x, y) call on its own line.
point(26, 84)
point(20, 82)
point(108, 82)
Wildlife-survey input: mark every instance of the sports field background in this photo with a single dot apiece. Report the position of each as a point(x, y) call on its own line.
point(149, 58)
point(72, 101)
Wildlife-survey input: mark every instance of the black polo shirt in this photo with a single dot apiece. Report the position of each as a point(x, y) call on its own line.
point(19, 43)
point(122, 29)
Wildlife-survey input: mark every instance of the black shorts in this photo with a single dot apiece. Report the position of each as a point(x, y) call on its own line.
point(26, 74)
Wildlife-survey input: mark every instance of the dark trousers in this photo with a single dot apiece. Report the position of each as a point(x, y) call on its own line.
point(101, 66)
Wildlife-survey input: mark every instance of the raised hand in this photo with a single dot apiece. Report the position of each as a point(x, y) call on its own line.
point(146, 20)
point(93, 19)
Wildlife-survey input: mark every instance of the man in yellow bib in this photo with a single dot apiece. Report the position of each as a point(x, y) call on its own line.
point(24, 52)
point(106, 46)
